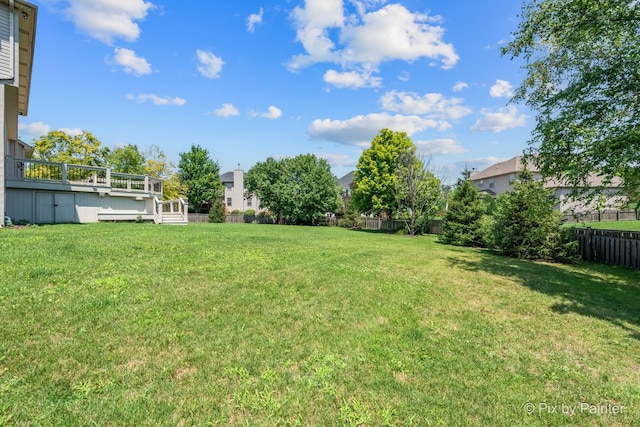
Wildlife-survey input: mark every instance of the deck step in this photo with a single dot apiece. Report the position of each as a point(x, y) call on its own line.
point(173, 219)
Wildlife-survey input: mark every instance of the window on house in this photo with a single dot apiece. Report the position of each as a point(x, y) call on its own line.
point(229, 185)
point(491, 183)
point(250, 202)
point(228, 201)
point(512, 178)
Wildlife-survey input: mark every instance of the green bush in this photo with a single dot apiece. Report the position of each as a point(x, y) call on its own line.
point(526, 226)
point(249, 212)
point(351, 218)
point(216, 213)
point(236, 212)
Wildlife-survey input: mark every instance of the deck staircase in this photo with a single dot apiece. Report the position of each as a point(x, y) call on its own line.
point(170, 212)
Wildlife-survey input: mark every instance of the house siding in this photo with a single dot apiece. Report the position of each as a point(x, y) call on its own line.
point(6, 44)
point(33, 205)
point(3, 156)
point(236, 194)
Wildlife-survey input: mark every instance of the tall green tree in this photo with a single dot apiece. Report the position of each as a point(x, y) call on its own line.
point(58, 146)
point(298, 190)
point(375, 179)
point(201, 176)
point(264, 180)
point(126, 159)
point(462, 224)
point(582, 79)
point(157, 166)
point(526, 226)
point(417, 192)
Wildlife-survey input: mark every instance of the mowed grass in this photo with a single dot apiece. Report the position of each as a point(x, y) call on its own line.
point(238, 324)
point(609, 225)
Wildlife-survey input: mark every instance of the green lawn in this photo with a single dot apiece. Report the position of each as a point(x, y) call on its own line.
point(238, 324)
point(609, 225)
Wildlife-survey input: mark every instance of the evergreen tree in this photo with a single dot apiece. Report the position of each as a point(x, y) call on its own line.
point(526, 225)
point(462, 225)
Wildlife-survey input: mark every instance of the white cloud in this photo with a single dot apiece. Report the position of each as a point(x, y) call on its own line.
point(351, 79)
point(313, 23)
point(460, 86)
point(503, 119)
point(502, 89)
point(433, 104)
point(210, 65)
point(107, 20)
point(272, 114)
point(404, 76)
point(393, 33)
point(253, 20)
point(338, 160)
point(436, 147)
point(227, 110)
point(361, 130)
point(157, 100)
point(368, 39)
point(131, 63)
point(71, 131)
point(34, 130)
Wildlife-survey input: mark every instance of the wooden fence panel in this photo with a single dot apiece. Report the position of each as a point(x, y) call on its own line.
point(603, 216)
point(621, 248)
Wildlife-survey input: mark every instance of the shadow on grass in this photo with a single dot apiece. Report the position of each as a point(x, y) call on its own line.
point(608, 293)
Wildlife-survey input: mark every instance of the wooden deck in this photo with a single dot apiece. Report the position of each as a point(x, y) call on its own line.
point(47, 192)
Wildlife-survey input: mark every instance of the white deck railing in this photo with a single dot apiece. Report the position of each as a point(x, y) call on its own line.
point(92, 176)
point(162, 207)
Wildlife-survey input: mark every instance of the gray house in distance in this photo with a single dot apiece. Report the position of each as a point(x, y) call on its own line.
point(235, 196)
point(500, 177)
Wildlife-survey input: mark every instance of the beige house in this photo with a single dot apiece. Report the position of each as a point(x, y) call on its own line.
point(236, 197)
point(500, 177)
point(46, 192)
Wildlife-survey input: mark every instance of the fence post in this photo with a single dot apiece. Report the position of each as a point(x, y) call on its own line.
point(588, 244)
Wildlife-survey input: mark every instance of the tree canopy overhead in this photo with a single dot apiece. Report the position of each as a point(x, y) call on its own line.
point(583, 80)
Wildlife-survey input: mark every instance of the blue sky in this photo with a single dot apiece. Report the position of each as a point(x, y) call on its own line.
point(254, 79)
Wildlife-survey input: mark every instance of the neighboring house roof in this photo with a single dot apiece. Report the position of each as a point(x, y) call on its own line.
point(347, 180)
point(513, 165)
point(226, 177)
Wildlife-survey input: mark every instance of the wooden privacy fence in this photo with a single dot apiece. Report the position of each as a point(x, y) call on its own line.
point(603, 216)
point(621, 248)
